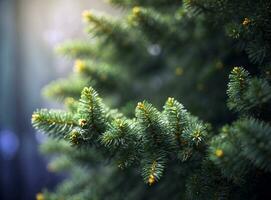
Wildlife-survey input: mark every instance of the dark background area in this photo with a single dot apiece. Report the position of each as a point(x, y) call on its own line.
point(29, 30)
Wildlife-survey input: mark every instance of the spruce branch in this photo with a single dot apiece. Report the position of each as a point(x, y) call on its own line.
point(64, 88)
point(177, 120)
point(153, 127)
point(239, 79)
point(206, 183)
point(90, 114)
point(109, 30)
point(153, 167)
point(158, 4)
point(225, 152)
point(151, 23)
point(102, 75)
point(255, 137)
point(160, 37)
point(53, 122)
point(246, 93)
point(149, 138)
point(123, 140)
point(78, 49)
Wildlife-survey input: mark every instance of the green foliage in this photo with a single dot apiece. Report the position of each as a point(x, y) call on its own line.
point(207, 184)
point(53, 122)
point(152, 126)
point(145, 139)
point(245, 20)
point(77, 49)
point(246, 93)
point(159, 4)
point(122, 140)
point(154, 50)
point(246, 140)
point(226, 152)
point(64, 88)
point(188, 132)
point(91, 114)
point(255, 137)
point(153, 24)
point(109, 30)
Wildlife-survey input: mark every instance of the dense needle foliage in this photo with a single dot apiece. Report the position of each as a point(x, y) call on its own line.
point(213, 56)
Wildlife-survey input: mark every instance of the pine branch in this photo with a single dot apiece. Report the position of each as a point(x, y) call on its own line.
point(158, 4)
point(64, 88)
point(152, 167)
point(255, 136)
point(109, 30)
point(53, 122)
point(91, 116)
point(246, 93)
point(149, 138)
point(153, 127)
point(153, 24)
point(103, 75)
point(177, 120)
point(226, 152)
point(122, 140)
point(79, 49)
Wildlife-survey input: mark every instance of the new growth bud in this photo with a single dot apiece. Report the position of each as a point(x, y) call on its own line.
point(140, 106)
point(151, 179)
point(136, 10)
point(39, 196)
point(82, 122)
point(35, 117)
point(79, 66)
point(246, 21)
point(219, 153)
point(87, 16)
point(179, 71)
point(74, 137)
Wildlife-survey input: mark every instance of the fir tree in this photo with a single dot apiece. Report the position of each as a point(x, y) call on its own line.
point(213, 56)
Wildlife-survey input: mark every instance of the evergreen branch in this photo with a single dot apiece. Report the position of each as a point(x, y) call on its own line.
point(153, 167)
point(225, 152)
point(255, 136)
point(63, 88)
point(103, 74)
point(61, 163)
point(122, 139)
point(61, 147)
point(196, 7)
point(158, 4)
point(256, 51)
point(116, 135)
point(239, 79)
point(195, 133)
point(91, 115)
point(207, 184)
point(131, 140)
point(78, 49)
point(246, 93)
point(111, 31)
point(53, 122)
point(158, 36)
point(153, 24)
point(153, 127)
point(177, 120)
point(71, 104)
point(246, 140)
point(54, 147)
point(114, 34)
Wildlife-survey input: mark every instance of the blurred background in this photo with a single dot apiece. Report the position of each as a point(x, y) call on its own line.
point(29, 31)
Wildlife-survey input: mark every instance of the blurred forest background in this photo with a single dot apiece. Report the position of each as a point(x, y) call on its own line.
point(29, 30)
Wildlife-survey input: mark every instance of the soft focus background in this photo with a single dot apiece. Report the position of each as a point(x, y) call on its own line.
point(29, 31)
